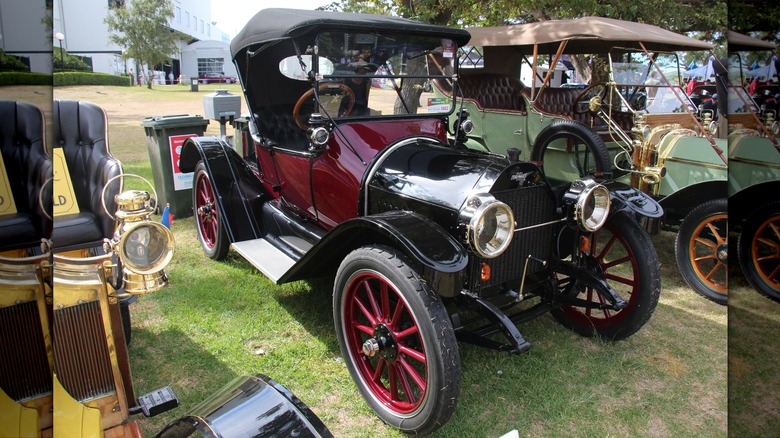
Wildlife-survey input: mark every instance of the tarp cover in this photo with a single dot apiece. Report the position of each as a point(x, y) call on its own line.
point(584, 35)
point(742, 43)
point(278, 23)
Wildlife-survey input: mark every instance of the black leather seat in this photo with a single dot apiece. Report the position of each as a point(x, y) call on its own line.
point(80, 129)
point(28, 167)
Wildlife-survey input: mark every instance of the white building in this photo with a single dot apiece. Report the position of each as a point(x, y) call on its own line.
point(86, 34)
point(24, 33)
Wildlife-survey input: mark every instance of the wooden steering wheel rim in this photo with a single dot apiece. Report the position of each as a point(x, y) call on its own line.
point(327, 86)
point(575, 105)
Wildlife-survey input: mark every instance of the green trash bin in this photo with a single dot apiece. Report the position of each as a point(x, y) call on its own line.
point(165, 136)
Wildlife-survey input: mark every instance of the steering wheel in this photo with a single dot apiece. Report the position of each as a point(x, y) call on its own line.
point(598, 89)
point(327, 88)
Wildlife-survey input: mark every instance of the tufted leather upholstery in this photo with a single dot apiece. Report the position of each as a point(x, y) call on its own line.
point(560, 101)
point(494, 92)
point(276, 124)
point(80, 129)
point(29, 168)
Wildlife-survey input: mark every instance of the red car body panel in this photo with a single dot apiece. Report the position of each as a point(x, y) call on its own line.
point(337, 173)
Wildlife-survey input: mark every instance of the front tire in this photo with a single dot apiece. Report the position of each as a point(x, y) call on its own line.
point(701, 249)
point(208, 221)
point(758, 249)
point(397, 340)
point(624, 255)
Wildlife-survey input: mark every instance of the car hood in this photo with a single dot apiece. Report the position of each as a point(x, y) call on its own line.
point(428, 171)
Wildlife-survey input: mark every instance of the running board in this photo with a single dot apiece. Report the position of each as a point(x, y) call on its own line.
point(272, 262)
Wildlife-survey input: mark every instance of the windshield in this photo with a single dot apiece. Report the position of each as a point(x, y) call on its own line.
point(643, 88)
point(381, 75)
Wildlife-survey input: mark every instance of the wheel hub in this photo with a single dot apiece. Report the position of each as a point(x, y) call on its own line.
point(205, 211)
point(723, 253)
point(382, 343)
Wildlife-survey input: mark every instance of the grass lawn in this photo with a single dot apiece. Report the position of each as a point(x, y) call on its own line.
point(219, 320)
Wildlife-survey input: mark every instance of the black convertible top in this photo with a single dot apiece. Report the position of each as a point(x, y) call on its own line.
point(277, 23)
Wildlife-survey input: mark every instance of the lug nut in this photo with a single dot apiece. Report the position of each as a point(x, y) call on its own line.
point(370, 347)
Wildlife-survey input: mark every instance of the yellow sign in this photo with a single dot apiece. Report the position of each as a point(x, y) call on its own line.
point(64, 196)
point(7, 204)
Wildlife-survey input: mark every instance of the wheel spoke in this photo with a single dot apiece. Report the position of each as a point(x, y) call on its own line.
point(397, 314)
point(364, 328)
point(364, 310)
point(410, 397)
point(400, 336)
point(380, 368)
point(385, 298)
point(420, 357)
point(392, 380)
point(414, 374)
point(372, 299)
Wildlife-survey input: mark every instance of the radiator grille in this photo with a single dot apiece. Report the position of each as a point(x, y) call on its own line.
point(531, 206)
point(80, 352)
point(24, 366)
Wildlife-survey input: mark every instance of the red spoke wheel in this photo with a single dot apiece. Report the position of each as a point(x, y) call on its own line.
point(397, 340)
point(211, 231)
point(701, 249)
point(759, 250)
point(624, 255)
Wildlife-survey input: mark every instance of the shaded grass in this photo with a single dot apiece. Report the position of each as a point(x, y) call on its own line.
point(754, 383)
point(219, 320)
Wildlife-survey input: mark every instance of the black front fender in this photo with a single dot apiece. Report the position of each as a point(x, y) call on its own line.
point(441, 256)
point(235, 186)
point(645, 210)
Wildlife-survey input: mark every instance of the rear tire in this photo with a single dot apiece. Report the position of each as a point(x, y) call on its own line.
point(701, 250)
point(412, 377)
point(208, 221)
point(759, 250)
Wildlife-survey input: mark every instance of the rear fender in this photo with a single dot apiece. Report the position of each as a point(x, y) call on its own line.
point(236, 188)
point(680, 203)
point(442, 258)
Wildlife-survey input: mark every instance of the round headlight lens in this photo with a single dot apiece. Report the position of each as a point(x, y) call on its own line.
point(592, 207)
point(146, 248)
point(491, 229)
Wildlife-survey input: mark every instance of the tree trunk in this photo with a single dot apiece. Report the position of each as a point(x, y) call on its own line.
point(412, 87)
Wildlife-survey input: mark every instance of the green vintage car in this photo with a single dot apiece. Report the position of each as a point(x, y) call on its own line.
point(754, 166)
point(629, 121)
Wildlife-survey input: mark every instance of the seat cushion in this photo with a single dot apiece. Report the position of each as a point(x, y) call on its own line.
point(77, 230)
point(18, 231)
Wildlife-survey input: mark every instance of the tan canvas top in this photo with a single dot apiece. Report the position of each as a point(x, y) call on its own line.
point(743, 43)
point(584, 35)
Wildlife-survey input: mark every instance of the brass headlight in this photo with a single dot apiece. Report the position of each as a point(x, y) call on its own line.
point(145, 247)
point(491, 225)
point(588, 204)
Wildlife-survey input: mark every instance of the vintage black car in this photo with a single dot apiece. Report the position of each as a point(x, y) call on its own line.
point(431, 243)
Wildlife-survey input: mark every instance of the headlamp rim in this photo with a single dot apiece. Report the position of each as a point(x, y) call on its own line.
point(488, 202)
point(156, 267)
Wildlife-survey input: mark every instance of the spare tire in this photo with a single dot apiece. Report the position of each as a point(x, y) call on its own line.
point(578, 134)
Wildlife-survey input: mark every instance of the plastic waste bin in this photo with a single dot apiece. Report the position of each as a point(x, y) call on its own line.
point(193, 84)
point(165, 136)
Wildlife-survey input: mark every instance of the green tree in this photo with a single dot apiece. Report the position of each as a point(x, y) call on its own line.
point(676, 15)
point(142, 28)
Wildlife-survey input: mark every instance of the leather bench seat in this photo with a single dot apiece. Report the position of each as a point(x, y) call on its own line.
point(80, 128)
point(28, 168)
point(276, 125)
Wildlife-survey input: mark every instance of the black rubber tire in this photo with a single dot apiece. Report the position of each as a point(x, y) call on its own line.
point(705, 271)
point(639, 282)
point(580, 133)
point(749, 250)
point(434, 339)
point(214, 241)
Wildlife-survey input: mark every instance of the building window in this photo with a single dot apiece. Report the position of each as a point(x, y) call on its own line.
point(177, 13)
point(201, 26)
point(187, 19)
point(115, 4)
point(194, 23)
point(208, 29)
point(210, 65)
